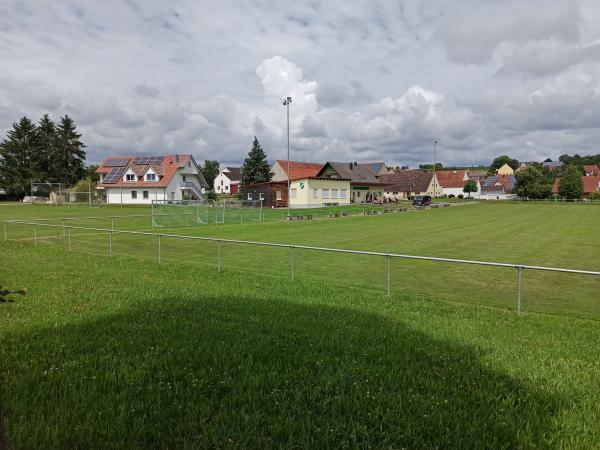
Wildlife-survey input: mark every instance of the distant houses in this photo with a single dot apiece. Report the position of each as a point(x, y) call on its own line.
point(590, 181)
point(404, 184)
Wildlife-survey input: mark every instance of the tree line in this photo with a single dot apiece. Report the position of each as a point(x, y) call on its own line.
point(39, 153)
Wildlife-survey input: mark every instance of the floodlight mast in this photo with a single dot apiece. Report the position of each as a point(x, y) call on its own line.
point(286, 103)
point(435, 143)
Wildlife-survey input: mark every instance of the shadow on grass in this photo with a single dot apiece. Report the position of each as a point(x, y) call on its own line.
point(249, 372)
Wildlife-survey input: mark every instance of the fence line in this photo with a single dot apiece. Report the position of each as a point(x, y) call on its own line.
point(519, 267)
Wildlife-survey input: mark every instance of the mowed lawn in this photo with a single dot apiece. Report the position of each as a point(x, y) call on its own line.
point(556, 235)
point(123, 353)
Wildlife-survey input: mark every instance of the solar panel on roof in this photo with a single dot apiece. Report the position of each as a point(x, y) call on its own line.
point(116, 163)
point(114, 175)
point(146, 160)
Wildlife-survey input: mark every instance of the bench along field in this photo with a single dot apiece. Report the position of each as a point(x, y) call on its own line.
point(139, 343)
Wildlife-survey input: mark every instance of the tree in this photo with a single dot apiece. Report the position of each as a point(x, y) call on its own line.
point(90, 172)
point(533, 182)
point(210, 170)
point(438, 166)
point(256, 168)
point(18, 153)
point(46, 149)
point(210, 196)
point(501, 160)
point(470, 186)
point(571, 185)
point(70, 153)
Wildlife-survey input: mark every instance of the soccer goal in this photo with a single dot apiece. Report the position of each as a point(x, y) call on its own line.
point(51, 193)
point(179, 213)
point(243, 211)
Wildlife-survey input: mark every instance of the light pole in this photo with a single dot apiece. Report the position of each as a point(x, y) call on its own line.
point(286, 103)
point(435, 143)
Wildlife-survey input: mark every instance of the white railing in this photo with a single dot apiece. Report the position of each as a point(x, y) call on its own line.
point(66, 231)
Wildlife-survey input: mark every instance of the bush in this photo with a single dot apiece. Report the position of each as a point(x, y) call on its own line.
point(451, 195)
point(460, 196)
point(210, 196)
point(594, 196)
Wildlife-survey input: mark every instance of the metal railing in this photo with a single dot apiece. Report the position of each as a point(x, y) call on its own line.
point(67, 229)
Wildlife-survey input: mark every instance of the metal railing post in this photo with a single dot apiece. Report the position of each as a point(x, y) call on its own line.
point(69, 237)
point(292, 248)
point(35, 234)
point(112, 223)
point(159, 256)
point(519, 284)
point(219, 256)
point(110, 243)
point(388, 277)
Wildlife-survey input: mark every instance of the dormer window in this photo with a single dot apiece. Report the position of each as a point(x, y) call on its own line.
point(150, 177)
point(130, 177)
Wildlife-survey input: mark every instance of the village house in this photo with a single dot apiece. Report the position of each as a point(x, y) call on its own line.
point(142, 179)
point(505, 170)
point(405, 184)
point(228, 181)
point(497, 187)
point(590, 181)
point(279, 169)
point(365, 187)
point(453, 182)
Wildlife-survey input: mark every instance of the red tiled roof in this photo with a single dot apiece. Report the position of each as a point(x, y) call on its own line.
point(451, 178)
point(165, 171)
point(300, 169)
point(590, 184)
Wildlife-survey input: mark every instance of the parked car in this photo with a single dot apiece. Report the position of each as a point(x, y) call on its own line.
point(422, 200)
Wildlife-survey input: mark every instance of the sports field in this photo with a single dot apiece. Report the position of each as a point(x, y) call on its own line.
point(123, 351)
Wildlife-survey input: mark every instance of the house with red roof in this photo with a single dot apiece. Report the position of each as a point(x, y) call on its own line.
point(298, 170)
point(590, 184)
point(142, 179)
point(453, 182)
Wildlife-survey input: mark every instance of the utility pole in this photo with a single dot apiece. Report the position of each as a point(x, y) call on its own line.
point(435, 143)
point(286, 103)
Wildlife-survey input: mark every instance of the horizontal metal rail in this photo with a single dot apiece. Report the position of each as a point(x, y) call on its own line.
point(324, 249)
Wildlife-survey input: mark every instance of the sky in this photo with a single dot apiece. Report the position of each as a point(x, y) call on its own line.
point(370, 80)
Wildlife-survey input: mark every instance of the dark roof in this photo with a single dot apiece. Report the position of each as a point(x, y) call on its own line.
point(492, 190)
point(233, 173)
point(356, 173)
point(401, 181)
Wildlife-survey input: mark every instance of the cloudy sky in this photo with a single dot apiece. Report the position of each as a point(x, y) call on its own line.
point(370, 80)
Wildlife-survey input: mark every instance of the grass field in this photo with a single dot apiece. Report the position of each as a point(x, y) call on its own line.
point(123, 352)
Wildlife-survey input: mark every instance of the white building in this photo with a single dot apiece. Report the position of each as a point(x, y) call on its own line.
point(228, 181)
point(141, 179)
point(453, 183)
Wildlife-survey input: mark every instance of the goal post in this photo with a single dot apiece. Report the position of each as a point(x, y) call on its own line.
point(178, 213)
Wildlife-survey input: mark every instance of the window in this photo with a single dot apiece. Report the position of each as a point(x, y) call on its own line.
point(325, 193)
point(293, 193)
point(343, 193)
point(278, 195)
point(226, 188)
point(152, 177)
point(183, 176)
point(130, 177)
point(134, 194)
point(145, 194)
point(358, 194)
point(315, 193)
point(334, 193)
point(261, 196)
point(249, 195)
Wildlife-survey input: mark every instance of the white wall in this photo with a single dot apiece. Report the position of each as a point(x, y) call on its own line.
point(116, 195)
point(226, 187)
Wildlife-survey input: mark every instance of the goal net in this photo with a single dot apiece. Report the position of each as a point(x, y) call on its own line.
point(51, 193)
point(242, 211)
point(178, 213)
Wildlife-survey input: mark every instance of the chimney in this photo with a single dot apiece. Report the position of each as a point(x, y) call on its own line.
point(355, 164)
point(350, 166)
point(177, 158)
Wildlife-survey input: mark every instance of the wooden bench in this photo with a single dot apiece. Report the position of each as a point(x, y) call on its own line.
point(306, 217)
point(343, 213)
point(293, 218)
point(333, 215)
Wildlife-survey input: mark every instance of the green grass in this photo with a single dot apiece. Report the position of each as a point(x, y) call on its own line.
point(557, 235)
point(124, 355)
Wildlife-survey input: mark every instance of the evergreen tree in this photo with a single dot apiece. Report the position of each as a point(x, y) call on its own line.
point(533, 182)
point(70, 153)
point(18, 165)
point(256, 168)
point(210, 170)
point(571, 185)
point(46, 150)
